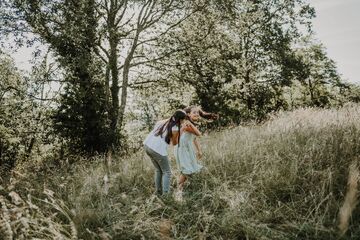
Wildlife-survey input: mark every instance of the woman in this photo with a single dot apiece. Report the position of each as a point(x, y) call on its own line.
point(156, 144)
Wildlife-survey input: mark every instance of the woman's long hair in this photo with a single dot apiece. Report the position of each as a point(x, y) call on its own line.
point(174, 120)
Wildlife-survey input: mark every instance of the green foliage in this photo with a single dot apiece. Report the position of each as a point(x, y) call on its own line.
point(82, 116)
point(350, 92)
point(15, 115)
point(322, 82)
point(241, 57)
point(238, 56)
point(25, 109)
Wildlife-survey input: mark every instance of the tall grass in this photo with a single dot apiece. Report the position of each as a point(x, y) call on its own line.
point(285, 179)
point(35, 218)
point(350, 202)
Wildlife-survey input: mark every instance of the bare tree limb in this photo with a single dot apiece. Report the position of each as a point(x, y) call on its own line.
point(124, 4)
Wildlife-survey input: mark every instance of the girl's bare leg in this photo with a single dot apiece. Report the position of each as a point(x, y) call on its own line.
point(179, 192)
point(181, 182)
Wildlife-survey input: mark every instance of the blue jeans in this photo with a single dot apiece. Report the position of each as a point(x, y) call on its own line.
point(162, 171)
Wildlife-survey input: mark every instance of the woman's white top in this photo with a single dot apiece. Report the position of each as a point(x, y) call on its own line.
point(157, 143)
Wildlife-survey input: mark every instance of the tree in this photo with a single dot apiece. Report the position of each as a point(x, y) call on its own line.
point(70, 29)
point(240, 55)
point(121, 34)
point(319, 77)
point(128, 34)
point(18, 113)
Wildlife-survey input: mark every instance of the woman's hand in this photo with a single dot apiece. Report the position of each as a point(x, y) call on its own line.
point(199, 155)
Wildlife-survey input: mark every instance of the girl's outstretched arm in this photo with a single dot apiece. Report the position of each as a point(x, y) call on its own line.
point(198, 148)
point(207, 115)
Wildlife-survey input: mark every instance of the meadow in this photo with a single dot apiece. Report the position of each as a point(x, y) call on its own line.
point(292, 177)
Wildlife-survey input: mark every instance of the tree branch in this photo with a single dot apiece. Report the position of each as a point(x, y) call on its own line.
point(123, 4)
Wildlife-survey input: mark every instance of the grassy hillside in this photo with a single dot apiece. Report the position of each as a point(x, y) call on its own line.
point(285, 179)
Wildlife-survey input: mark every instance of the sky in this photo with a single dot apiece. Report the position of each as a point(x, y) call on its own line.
point(337, 26)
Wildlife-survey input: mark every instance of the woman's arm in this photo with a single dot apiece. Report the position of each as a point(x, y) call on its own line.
point(198, 149)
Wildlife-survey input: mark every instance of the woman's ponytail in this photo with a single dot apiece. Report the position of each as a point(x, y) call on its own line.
point(169, 124)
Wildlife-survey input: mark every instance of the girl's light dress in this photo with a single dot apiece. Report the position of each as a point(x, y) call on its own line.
point(185, 155)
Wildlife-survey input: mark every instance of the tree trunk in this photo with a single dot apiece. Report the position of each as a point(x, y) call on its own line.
point(112, 70)
point(125, 82)
point(114, 112)
point(249, 102)
point(107, 85)
point(1, 152)
point(311, 90)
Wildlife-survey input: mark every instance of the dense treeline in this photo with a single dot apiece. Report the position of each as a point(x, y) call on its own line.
point(114, 61)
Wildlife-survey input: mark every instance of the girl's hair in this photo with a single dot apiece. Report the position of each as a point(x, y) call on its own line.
point(202, 113)
point(174, 120)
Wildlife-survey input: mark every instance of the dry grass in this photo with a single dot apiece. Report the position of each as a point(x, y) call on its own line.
point(350, 198)
point(285, 179)
point(34, 218)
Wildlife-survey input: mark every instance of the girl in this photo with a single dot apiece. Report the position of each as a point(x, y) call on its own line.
point(188, 152)
point(156, 144)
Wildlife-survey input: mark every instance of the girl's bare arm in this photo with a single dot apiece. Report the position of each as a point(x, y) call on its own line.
point(189, 127)
point(198, 148)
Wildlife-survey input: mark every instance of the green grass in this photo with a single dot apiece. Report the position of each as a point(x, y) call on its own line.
point(285, 179)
